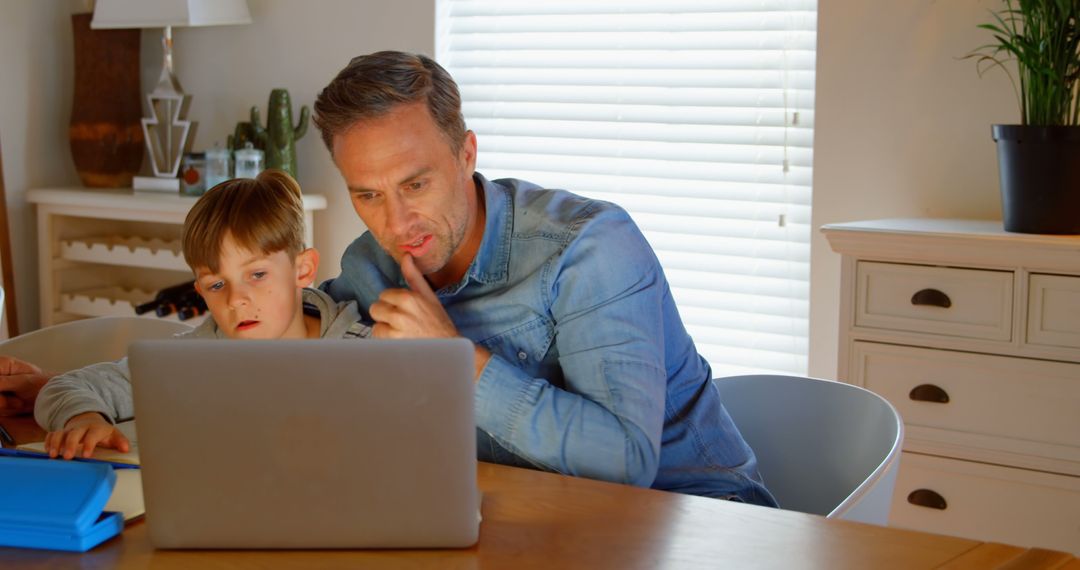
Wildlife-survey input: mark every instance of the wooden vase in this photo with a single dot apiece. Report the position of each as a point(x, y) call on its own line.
point(106, 130)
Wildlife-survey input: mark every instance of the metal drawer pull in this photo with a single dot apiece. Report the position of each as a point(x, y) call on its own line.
point(927, 498)
point(931, 297)
point(929, 393)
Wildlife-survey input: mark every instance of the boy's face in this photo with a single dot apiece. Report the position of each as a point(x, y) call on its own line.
point(414, 193)
point(256, 296)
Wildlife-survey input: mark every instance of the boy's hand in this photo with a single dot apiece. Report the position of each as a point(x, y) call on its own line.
point(82, 434)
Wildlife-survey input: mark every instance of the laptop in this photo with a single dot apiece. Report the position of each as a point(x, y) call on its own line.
point(307, 443)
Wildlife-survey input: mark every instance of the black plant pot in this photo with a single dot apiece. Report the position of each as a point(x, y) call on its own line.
point(1040, 178)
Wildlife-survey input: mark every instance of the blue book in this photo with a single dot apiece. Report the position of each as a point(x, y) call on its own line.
point(58, 504)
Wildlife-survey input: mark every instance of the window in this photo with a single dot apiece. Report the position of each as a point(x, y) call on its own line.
point(695, 116)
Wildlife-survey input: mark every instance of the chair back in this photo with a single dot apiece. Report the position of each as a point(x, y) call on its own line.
point(75, 344)
point(823, 447)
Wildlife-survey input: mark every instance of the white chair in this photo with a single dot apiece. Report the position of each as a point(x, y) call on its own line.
point(75, 344)
point(823, 447)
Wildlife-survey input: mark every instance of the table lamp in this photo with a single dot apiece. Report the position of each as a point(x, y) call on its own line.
point(167, 131)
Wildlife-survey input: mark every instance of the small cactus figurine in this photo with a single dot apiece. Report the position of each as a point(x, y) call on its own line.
point(241, 135)
point(279, 136)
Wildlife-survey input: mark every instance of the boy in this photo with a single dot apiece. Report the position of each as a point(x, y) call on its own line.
point(244, 241)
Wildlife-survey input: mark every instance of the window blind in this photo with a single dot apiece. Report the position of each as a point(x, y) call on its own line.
point(696, 116)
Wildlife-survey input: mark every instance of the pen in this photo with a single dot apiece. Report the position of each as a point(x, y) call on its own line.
point(6, 438)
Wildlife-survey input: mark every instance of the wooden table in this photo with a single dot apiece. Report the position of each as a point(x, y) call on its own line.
point(541, 520)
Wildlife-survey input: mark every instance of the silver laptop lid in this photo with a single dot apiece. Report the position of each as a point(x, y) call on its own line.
point(307, 444)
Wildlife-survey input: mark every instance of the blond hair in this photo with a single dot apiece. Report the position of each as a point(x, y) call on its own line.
point(263, 215)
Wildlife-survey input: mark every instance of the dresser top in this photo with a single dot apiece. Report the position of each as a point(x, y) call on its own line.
point(951, 241)
point(129, 199)
point(988, 229)
point(991, 230)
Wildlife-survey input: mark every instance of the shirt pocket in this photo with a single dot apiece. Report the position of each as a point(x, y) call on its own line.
point(525, 345)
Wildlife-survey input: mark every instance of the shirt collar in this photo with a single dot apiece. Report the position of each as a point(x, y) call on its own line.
point(492, 261)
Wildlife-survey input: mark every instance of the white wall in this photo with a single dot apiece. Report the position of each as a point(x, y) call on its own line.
point(902, 129)
point(296, 45)
point(35, 107)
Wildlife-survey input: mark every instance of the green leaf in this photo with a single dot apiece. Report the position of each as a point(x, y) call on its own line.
point(1043, 37)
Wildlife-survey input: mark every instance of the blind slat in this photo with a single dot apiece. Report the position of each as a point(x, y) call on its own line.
point(655, 21)
point(637, 59)
point(684, 40)
point(486, 7)
point(618, 148)
point(729, 78)
point(624, 130)
point(627, 95)
point(744, 247)
point(768, 174)
point(733, 283)
point(597, 185)
point(639, 113)
point(779, 306)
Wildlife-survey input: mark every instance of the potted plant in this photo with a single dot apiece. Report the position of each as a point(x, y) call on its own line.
point(1039, 159)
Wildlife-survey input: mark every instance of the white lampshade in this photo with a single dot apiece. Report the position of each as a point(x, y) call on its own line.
point(161, 13)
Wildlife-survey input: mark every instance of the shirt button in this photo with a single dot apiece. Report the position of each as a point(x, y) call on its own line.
point(522, 355)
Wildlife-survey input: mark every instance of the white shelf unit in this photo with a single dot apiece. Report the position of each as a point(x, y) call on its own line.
point(101, 252)
point(105, 302)
point(973, 334)
point(129, 251)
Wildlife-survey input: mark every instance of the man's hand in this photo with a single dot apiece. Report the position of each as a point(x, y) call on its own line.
point(411, 313)
point(81, 434)
point(416, 312)
point(20, 383)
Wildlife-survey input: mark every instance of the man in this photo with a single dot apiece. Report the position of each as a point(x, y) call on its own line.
point(583, 366)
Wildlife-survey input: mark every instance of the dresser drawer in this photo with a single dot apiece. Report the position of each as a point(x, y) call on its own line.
point(988, 502)
point(1017, 405)
point(1054, 310)
point(971, 303)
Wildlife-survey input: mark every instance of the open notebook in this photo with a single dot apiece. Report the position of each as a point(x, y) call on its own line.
point(101, 453)
point(127, 496)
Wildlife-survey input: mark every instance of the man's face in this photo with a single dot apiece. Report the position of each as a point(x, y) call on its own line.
point(414, 193)
point(256, 296)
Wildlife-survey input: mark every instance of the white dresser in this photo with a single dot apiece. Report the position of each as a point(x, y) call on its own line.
point(973, 334)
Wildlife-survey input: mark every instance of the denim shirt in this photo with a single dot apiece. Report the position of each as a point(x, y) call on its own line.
point(592, 373)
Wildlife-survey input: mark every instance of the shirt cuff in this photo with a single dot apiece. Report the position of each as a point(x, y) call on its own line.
point(64, 416)
point(501, 397)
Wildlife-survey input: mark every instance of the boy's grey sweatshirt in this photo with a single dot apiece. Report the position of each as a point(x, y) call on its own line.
point(106, 387)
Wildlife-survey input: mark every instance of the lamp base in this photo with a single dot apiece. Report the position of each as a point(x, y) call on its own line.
point(155, 184)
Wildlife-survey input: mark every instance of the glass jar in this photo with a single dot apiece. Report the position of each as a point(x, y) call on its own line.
point(249, 161)
point(218, 166)
point(193, 174)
